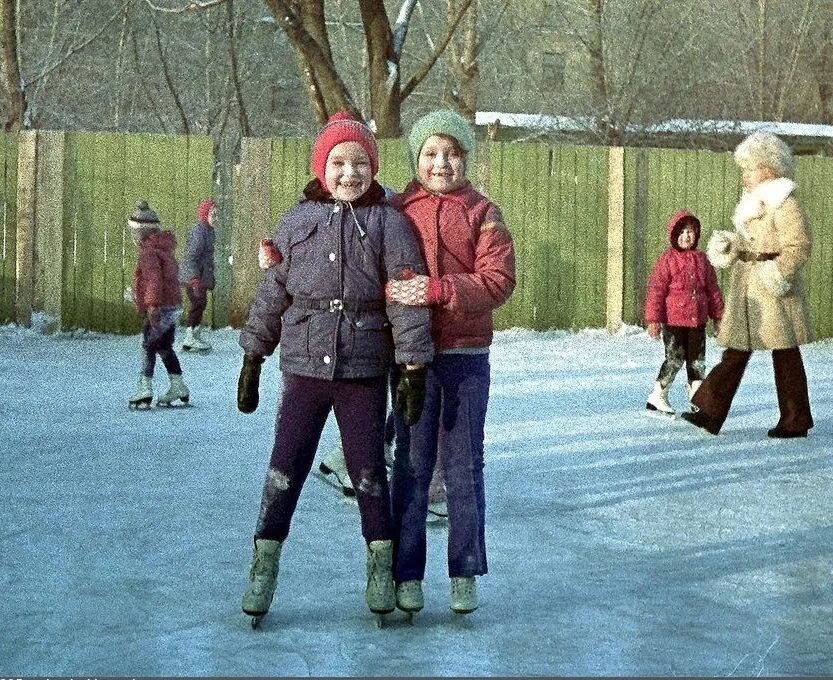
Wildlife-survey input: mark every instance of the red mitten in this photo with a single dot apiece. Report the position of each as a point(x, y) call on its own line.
point(417, 290)
point(267, 255)
point(196, 284)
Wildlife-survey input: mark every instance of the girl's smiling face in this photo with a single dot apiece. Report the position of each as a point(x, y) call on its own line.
point(348, 172)
point(441, 166)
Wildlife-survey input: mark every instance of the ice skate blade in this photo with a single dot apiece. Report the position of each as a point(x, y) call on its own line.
point(139, 405)
point(183, 403)
point(195, 350)
point(659, 415)
point(256, 621)
point(324, 473)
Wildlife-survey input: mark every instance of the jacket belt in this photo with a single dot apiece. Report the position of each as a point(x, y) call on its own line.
point(747, 256)
point(335, 304)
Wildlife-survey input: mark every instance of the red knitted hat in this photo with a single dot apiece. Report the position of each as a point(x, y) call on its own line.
point(204, 208)
point(342, 127)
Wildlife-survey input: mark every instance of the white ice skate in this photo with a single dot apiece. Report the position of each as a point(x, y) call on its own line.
point(690, 389)
point(463, 594)
point(658, 400)
point(333, 464)
point(409, 598)
point(193, 342)
point(380, 594)
point(178, 391)
point(264, 578)
point(143, 397)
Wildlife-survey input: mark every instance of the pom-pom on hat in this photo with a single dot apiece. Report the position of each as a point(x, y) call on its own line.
point(443, 122)
point(143, 221)
point(342, 127)
point(204, 208)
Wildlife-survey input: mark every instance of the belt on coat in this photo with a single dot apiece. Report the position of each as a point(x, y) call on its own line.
point(335, 304)
point(747, 256)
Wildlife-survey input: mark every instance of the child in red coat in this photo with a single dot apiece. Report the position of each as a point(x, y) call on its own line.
point(157, 298)
point(682, 295)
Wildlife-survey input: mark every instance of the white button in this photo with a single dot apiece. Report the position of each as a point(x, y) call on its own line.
point(327, 359)
point(336, 208)
point(359, 324)
point(332, 257)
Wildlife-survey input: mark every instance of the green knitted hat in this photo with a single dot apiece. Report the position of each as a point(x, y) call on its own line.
point(444, 122)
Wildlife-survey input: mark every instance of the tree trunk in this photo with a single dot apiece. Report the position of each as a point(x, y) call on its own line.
point(463, 62)
point(383, 65)
point(599, 92)
point(307, 32)
point(18, 113)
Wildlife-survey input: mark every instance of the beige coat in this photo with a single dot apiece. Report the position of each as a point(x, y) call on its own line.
point(766, 306)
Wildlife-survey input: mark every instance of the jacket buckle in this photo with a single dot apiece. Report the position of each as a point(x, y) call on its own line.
point(336, 305)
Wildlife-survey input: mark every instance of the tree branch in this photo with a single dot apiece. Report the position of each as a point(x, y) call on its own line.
point(168, 79)
point(75, 50)
point(426, 67)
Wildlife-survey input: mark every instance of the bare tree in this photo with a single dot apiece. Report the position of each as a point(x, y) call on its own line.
point(305, 26)
point(18, 114)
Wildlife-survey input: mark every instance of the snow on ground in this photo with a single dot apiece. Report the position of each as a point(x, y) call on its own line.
point(619, 544)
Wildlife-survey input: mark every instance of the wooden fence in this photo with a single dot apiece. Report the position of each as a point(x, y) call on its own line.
point(588, 222)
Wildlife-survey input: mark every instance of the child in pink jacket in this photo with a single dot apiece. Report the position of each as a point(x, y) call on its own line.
point(682, 295)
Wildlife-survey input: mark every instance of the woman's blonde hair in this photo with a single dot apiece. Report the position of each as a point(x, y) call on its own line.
point(765, 150)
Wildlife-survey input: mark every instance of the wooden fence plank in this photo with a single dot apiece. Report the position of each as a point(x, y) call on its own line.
point(615, 238)
point(8, 191)
point(251, 215)
point(49, 212)
point(25, 247)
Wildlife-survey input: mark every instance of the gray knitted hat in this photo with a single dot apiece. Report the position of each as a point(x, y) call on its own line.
point(143, 221)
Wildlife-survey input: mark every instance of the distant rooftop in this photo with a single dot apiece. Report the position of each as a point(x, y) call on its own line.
point(588, 123)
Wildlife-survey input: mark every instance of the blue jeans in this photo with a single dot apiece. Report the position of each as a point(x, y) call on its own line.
point(451, 426)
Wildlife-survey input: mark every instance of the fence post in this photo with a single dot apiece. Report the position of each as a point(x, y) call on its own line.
point(49, 217)
point(252, 221)
point(25, 253)
point(615, 237)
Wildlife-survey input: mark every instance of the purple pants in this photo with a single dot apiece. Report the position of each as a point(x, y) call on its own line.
point(197, 301)
point(451, 426)
point(359, 407)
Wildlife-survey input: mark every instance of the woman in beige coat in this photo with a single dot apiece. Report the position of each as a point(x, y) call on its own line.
point(766, 308)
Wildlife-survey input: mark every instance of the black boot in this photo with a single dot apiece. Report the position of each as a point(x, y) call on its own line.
point(779, 433)
point(703, 421)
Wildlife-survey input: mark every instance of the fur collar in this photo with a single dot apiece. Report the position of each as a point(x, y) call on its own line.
point(766, 196)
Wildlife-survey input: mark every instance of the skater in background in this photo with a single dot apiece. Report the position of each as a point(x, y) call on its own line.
point(198, 273)
point(766, 308)
point(471, 271)
point(324, 302)
point(683, 294)
point(157, 298)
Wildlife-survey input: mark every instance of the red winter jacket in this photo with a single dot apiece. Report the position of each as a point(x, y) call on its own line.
point(683, 289)
point(155, 281)
point(467, 246)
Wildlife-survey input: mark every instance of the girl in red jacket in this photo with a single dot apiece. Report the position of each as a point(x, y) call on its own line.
point(682, 295)
point(471, 270)
point(157, 298)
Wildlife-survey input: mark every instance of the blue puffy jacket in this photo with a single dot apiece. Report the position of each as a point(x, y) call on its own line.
point(325, 301)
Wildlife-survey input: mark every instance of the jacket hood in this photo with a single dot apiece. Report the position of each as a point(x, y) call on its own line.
point(161, 240)
point(676, 224)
